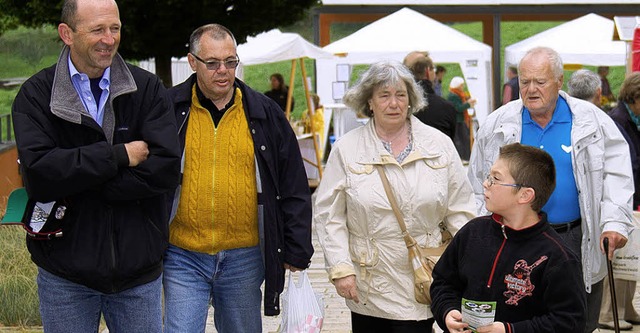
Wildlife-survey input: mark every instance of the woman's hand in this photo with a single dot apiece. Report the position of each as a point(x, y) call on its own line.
point(454, 323)
point(346, 287)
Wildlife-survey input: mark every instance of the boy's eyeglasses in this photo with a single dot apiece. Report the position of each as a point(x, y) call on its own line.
point(493, 181)
point(214, 65)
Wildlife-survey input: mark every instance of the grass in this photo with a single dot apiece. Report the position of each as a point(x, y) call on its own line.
point(18, 294)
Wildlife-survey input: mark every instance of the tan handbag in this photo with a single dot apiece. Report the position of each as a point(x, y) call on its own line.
point(422, 259)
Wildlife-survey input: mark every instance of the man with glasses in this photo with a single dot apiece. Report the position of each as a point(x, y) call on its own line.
point(594, 182)
point(243, 209)
point(99, 154)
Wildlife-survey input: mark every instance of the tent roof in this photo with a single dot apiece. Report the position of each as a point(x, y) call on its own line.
point(402, 32)
point(587, 40)
point(274, 46)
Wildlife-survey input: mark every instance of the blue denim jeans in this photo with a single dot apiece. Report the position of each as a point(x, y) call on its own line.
point(229, 280)
point(68, 307)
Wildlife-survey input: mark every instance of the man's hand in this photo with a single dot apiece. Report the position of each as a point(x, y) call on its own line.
point(616, 241)
point(292, 268)
point(138, 151)
point(454, 323)
point(346, 287)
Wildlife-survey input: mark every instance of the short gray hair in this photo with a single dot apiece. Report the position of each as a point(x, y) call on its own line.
point(383, 74)
point(555, 61)
point(584, 84)
point(213, 30)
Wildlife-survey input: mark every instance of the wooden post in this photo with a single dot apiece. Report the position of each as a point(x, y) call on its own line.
point(287, 111)
point(311, 111)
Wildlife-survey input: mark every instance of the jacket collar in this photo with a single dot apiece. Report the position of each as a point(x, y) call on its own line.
point(250, 100)
point(65, 102)
point(371, 151)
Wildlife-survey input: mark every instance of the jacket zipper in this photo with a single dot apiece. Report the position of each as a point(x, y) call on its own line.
point(495, 261)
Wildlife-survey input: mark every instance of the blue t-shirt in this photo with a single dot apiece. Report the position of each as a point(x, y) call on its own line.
point(563, 205)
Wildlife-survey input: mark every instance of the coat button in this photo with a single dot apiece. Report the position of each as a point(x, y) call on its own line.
point(277, 197)
point(263, 148)
point(279, 250)
point(253, 131)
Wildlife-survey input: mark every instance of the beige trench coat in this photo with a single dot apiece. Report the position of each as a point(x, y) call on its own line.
point(358, 230)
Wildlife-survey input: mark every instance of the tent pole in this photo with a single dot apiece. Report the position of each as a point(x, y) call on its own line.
point(311, 111)
point(288, 110)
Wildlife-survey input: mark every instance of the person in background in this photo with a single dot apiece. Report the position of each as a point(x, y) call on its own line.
point(437, 83)
point(98, 155)
point(365, 254)
point(627, 116)
point(279, 91)
point(586, 85)
point(244, 209)
point(317, 118)
point(512, 257)
point(511, 90)
point(439, 112)
point(461, 101)
point(589, 153)
point(607, 93)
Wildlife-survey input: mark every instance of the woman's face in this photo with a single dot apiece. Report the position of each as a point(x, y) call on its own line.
point(390, 104)
point(275, 84)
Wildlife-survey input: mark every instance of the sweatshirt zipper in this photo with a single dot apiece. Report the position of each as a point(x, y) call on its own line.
point(495, 261)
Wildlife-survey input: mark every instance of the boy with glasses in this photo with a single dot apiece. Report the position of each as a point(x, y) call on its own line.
point(511, 262)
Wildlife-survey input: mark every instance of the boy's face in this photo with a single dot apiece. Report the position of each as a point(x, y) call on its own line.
point(500, 190)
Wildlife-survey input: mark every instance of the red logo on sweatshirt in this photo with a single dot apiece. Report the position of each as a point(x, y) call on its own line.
point(519, 283)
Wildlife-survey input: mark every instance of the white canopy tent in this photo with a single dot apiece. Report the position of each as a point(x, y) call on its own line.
point(587, 40)
point(399, 33)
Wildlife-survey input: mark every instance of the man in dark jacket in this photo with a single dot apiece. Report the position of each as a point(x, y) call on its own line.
point(243, 214)
point(99, 153)
point(439, 112)
point(511, 88)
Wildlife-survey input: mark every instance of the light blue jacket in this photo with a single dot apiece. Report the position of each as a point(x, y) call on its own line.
point(601, 165)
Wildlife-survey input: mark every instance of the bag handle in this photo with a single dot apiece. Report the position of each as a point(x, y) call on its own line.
point(394, 206)
point(409, 241)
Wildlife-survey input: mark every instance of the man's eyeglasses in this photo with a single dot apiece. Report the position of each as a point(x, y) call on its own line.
point(491, 180)
point(214, 65)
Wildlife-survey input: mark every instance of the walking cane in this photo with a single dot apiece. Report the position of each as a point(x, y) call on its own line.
point(612, 287)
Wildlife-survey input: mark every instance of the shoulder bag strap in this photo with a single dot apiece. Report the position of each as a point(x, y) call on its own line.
point(394, 205)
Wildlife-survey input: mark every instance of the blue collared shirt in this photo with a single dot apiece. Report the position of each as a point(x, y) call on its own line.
point(563, 205)
point(83, 87)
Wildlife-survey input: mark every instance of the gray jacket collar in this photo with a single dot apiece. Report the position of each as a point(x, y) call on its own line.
point(66, 104)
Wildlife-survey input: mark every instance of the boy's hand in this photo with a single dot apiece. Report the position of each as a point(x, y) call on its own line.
point(454, 323)
point(495, 327)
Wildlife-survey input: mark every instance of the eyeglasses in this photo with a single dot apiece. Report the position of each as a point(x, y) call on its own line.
point(492, 181)
point(214, 65)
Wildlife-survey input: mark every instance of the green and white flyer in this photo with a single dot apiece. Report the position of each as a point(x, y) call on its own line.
point(478, 314)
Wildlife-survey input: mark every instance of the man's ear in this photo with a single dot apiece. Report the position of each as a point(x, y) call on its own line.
point(64, 31)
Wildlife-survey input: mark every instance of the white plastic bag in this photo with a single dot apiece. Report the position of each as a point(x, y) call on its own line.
point(302, 308)
point(626, 261)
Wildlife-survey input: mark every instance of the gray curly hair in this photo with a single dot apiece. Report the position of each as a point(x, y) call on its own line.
point(384, 74)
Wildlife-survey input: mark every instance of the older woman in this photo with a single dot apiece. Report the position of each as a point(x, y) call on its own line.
point(365, 254)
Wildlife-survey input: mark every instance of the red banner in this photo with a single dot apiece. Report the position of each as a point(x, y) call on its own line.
point(635, 50)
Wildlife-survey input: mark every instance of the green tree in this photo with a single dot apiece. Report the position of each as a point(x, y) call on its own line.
point(161, 28)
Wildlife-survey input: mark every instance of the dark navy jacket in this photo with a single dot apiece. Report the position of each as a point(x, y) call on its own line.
point(534, 278)
point(114, 223)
